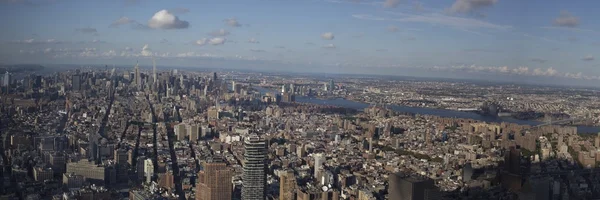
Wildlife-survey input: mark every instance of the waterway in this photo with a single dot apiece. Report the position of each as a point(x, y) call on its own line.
point(340, 102)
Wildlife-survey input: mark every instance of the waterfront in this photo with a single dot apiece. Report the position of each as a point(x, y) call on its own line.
point(424, 111)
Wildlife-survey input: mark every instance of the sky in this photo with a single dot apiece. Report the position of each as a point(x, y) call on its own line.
point(508, 38)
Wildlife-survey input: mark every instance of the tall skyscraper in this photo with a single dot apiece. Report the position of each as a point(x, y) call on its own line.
point(331, 85)
point(155, 81)
point(287, 182)
point(76, 82)
point(214, 182)
point(138, 77)
point(255, 166)
point(214, 76)
point(319, 160)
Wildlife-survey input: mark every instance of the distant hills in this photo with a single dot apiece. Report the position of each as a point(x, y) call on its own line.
point(20, 68)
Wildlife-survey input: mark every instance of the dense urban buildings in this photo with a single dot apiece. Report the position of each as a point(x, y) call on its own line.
point(178, 134)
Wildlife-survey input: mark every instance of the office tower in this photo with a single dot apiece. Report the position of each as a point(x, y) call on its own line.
point(255, 165)
point(214, 182)
point(287, 182)
point(41, 174)
point(214, 76)
point(154, 81)
point(148, 170)
point(411, 188)
point(233, 86)
point(76, 82)
point(292, 89)
point(57, 162)
point(193, 130)
point(180, 131)
point(319, 160)
point(283, 89)
point(331, 85)
point(6, 80)
point(138, 77)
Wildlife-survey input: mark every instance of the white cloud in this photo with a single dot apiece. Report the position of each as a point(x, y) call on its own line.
point(232, 22)
point(34, 41)
point(391, 3)
point(217, 41)
point(201, 42)
point(329, 46)
point(466, 6)
point(128, 49)
point(146, 51)
point(566, 20)
point(588, 58)
point(439, 19)
point(220, 32)
point(253, 40)
point(327, 36)
point(163, 19)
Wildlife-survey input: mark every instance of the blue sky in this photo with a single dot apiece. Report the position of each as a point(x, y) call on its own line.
point(547, 38)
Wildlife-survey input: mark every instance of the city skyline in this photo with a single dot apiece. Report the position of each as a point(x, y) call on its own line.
point(425, 38)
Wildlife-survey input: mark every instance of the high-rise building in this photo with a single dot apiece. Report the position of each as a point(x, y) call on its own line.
point(193, 131)
point(41, 174)
point(411, 188)
point(93, 173)
point(76, 82)
point(180, 131)
point(331, 85)
point(287, 182)
point(148, 170)
point(214, 182)
point(255, 166)
point(319, 160)
point(6, 80)
point(214, 76)
point(138, 77)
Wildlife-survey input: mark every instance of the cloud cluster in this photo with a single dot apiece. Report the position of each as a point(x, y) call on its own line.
point(220, 32)
point(467, 6)
point(146, 51)
point(565, 19)
point(164, 19)
point(211, 41)
point(327, 36)
point(437, 19)
point(232, 22)
point(34, 41)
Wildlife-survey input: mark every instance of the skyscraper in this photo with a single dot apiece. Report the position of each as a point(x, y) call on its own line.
point(137, 78)
point(214, 76)
point(255, 165)
point(155, 81)
point(319, 160)
point(214, 182)
point(331, 85)
point(287, 182)
point(6, 79)
point(76, 82)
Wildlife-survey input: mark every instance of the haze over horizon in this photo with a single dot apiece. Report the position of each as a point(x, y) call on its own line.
point(550, 41)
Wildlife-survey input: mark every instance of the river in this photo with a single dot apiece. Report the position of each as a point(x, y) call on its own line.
point(340, 102)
